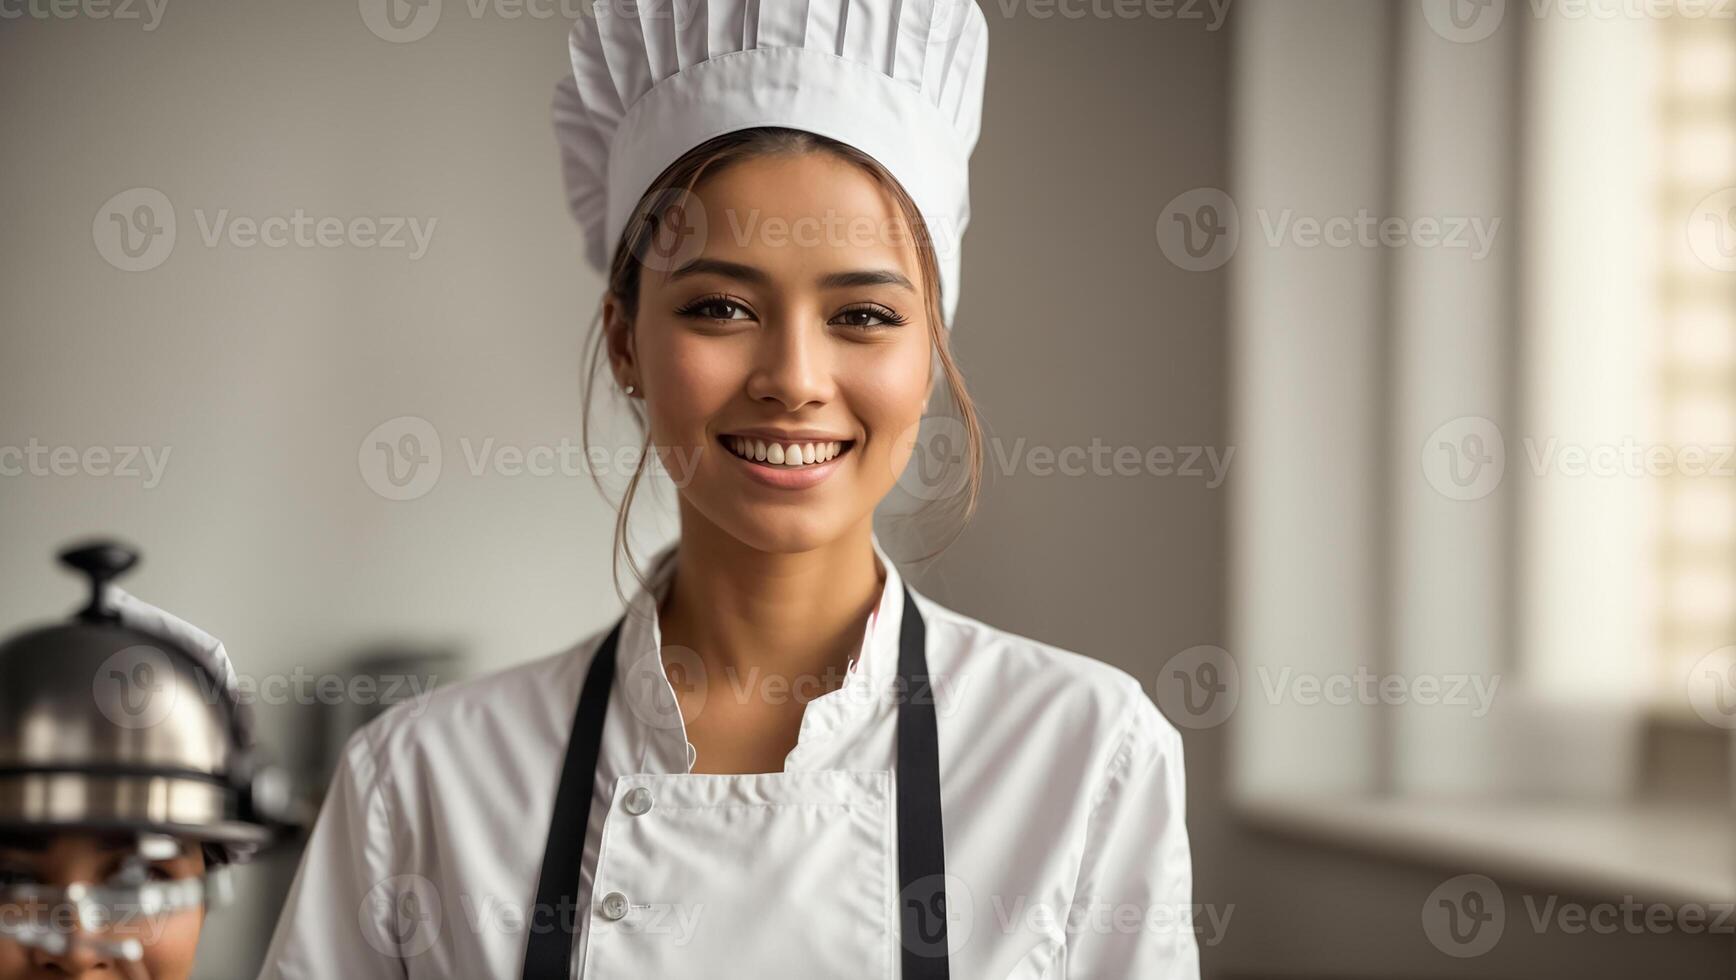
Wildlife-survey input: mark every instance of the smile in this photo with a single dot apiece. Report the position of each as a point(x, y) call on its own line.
point(786, 465)
point(781, 454)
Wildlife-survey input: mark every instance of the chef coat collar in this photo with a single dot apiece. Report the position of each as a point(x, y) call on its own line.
point(650, 695)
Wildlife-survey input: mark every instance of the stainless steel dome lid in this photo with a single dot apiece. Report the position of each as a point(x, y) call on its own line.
point(104, 727)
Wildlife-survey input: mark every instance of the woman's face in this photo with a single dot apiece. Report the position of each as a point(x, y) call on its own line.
point(60, 860)
point(797, 319)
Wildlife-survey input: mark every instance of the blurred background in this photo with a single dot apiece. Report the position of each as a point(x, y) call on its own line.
point(1405, 333)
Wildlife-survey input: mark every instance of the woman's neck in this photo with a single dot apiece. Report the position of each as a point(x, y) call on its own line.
point(750, 613)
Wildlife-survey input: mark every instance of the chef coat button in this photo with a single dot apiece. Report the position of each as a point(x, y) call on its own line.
point(614, 906)
point(638, 800)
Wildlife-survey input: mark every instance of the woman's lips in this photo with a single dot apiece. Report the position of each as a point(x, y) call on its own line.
point(785, 477)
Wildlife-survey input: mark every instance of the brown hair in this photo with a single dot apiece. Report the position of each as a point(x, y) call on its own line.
point(624, 270)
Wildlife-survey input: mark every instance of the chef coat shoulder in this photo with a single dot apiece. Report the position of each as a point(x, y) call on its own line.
point(475, 736)
point(1089, 711)
point(537, 693)
point(415, 789)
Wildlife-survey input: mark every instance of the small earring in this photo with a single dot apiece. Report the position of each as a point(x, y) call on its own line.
point(629, 389)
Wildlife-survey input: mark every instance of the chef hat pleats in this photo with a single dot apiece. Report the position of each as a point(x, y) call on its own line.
point(657, 27)
point(910, 51)
point(901, 80)
point(624, 50)
point(692, 40)
point(866, 30)
point(722, 27)
point(781, 24)
point(824, 27)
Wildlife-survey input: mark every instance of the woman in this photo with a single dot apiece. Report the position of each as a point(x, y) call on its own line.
point(781, 762)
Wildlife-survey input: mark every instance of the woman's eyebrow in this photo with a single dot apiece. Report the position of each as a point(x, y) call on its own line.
point(865, 277)
point(758, 277)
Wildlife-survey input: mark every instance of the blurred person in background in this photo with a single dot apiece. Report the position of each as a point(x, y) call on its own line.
point(129, 783)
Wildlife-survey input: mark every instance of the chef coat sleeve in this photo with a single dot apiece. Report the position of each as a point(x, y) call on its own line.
point(1132, 913)
point(339, 917)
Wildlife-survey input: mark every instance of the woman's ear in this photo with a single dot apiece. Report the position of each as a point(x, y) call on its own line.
point(618, 340)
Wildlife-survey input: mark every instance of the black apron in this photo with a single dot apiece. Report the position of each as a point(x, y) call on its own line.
point(921, 851)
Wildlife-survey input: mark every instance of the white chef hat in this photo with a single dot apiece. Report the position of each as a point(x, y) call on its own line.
point(900, 80)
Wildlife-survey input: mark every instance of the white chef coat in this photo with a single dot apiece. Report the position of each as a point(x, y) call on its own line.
point(1061, 789)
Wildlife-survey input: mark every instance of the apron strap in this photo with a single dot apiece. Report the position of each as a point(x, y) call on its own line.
point(549, 956)
point(921, 849)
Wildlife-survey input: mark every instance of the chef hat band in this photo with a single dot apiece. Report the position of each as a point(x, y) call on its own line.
point(900, 81)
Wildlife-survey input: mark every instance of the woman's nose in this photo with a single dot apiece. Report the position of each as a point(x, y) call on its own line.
point(793, 365)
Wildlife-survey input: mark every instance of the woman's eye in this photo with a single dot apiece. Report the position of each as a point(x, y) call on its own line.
point(716, 308)
point(870, 316)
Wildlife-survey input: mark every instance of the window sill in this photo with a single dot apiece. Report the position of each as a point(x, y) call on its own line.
point(1657, 853)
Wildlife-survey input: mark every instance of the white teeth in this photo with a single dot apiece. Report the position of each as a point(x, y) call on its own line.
point(783, 454)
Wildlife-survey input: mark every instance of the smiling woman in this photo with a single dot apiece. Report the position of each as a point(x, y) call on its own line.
point(741, 317)
point(783, 761)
